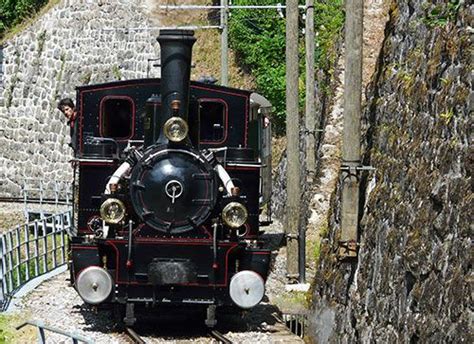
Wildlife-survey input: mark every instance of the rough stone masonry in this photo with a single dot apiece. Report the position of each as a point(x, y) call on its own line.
point(77, 42)
point(412, 281)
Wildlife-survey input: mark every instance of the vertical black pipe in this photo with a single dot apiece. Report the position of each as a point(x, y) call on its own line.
point(176, 51)
point(152, 113)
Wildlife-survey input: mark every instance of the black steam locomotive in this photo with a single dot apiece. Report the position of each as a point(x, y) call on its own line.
point(170, 179)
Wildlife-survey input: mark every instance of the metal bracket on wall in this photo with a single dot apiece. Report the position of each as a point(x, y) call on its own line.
point(353, 170)
point(350, 179)
point(292, 236)
point(312, 132)
point(347, 249)
point(293, 276)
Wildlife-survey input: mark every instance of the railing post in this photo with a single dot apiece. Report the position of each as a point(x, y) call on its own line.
point(18, 254)
point(41, 195)
point(67, 194)
point(10, 259)
point(2, 271)
point(63, 242)
point(6, 281)
point(37, 263)
point(27, 249)
point(25, 199)
point(41, 336)
point(45, 245)
point(54, 242)
point(69, 222)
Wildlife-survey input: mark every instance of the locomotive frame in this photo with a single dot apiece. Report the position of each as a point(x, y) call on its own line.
point(169, 246)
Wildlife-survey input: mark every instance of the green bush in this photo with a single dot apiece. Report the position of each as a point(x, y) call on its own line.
point(13, 12)
point(258, 38)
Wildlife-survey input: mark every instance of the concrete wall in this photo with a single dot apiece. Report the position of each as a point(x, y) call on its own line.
point(75, 43)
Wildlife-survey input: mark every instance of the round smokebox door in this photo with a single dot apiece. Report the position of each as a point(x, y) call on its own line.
point(173, 191)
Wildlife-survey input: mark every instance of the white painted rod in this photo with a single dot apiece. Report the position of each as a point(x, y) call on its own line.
point(119, 173)
point(225, 178)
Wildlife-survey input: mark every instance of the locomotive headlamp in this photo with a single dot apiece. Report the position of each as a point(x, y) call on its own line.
point(112, 211)
point(234, 215)
point(175, 129)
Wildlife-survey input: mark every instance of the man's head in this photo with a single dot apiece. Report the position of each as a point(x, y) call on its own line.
point(66, 106)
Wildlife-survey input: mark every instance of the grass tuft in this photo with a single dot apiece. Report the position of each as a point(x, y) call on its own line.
point(8, 332)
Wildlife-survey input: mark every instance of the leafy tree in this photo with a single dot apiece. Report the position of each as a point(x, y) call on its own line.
point(258, 38)
point(13, 12)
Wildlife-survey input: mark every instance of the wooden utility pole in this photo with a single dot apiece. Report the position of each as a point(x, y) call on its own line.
point(310, 115)
point(292, 134)
point(224, 42)
point(351, 156)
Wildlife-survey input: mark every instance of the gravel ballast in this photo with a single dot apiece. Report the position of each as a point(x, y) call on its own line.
point(57, 304)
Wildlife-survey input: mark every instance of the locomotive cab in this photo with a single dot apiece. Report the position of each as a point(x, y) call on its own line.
point(170, 179)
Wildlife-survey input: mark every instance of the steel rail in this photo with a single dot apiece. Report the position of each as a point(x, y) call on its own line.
point(134, 336)
point(220, 337)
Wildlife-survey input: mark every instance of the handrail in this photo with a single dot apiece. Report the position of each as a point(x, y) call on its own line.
point(42, 326)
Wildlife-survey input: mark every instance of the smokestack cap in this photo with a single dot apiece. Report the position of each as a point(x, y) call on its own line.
point(175, 34)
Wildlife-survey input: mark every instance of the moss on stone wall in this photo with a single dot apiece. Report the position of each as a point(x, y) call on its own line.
point(411, 280)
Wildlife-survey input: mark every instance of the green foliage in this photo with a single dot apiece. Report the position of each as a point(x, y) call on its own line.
point(13, 12)
point(41, 41)
point(8, 332)
point(116, 72)
point(6, 328)
point(86, 78)
point(447, 116)
point(442, 14)
point(258, 38)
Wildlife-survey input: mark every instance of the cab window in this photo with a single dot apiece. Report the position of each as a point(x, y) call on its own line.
point(116, 117)
point(212, 120)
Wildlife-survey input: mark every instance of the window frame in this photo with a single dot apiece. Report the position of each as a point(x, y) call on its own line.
point(226, 120)
point(102, 114)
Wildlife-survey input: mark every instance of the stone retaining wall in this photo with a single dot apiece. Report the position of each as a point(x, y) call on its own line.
point(412, 281)
point(77, 42)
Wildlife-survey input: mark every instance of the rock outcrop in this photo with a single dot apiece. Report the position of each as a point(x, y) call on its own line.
point(76, 43)
point(412, 281)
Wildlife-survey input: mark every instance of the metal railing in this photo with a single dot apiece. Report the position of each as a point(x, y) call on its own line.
point(296, 322)
point(30, 250)
point(55, 192)
point(40, 191)
point(76, 338)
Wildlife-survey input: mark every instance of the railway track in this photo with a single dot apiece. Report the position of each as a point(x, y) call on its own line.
point(133, 336)
point(136, 339)
point(220, 337)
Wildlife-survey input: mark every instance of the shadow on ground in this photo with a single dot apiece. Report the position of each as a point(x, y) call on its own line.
point(184, 323)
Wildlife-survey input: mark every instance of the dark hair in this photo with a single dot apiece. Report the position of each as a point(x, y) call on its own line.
point(66, 102)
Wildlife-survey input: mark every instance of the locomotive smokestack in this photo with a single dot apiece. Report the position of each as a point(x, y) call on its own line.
point(176, 51)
